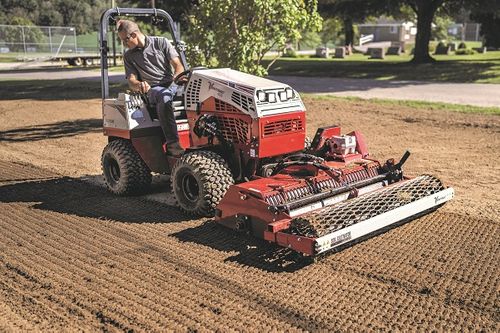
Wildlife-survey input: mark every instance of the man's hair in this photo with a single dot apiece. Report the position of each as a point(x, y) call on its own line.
point(127, 26)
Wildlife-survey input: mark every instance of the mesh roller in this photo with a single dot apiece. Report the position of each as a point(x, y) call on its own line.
point(349, 212)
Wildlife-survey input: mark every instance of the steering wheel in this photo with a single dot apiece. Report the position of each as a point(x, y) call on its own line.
point(177, 79)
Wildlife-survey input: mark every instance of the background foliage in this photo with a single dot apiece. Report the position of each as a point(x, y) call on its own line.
point(237, 33)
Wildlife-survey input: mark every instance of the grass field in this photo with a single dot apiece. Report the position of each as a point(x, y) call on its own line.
point(477, 68)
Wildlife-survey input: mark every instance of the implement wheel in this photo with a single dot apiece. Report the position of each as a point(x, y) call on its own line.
point(124, 171)
point(199, 181)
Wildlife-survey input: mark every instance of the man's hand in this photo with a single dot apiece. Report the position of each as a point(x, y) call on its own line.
point(136, 85)
point(181, 80)
point(143, 87)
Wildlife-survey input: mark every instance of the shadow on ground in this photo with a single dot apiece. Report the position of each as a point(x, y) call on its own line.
point(52, 131)
point(50, 90)
point(65, 195)
point(72, 196)
point(251, 251)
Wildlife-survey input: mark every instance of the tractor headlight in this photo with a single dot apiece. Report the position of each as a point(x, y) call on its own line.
point(289, 93)
point(261, 96)
point(271, 97)
point(283, 97)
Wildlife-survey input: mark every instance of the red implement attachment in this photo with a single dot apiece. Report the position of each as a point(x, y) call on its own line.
point(314, 204)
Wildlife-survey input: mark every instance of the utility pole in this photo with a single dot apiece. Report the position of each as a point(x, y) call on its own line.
point(113, 37)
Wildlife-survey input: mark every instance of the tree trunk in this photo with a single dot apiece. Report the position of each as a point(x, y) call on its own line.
point(425, 10)
point(349, 32)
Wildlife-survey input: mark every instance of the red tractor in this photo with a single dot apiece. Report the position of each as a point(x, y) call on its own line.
point(247, 161)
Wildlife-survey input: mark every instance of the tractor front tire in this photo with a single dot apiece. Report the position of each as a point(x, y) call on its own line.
point(125, 173)
point(200, 180)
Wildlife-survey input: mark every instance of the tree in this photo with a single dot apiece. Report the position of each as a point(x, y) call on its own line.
point(425, 10)
point(308, 40)
point(237, 33)
point(350, 11)
point(440, 31)
point(77, 14)
point(178, 9)
point(17, 37)
point(332, 28)
point(82, 14)
point(489, 17)
point(49, 14)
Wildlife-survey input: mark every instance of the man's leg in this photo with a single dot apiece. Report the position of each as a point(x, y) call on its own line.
point(162, 97)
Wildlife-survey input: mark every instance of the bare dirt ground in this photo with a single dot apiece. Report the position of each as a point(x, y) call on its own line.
point(74, 257)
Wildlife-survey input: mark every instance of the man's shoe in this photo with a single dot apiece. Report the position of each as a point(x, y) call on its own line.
point(174, 149)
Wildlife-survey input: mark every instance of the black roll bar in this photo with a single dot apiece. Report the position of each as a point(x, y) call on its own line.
point(134, 12)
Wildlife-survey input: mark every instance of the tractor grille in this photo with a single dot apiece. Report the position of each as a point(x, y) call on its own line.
point(284, 126)
point(282, 198)
point(349, 212)
point(193, 92)
point(246, 103)
point(234, 129)
point(221, 106)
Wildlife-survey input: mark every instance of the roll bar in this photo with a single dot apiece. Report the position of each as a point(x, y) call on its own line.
point(112, 13)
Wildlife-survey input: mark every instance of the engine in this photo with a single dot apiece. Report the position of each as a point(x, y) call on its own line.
point(259, 117)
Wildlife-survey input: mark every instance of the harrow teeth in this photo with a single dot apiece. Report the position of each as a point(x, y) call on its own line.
point(349, 212)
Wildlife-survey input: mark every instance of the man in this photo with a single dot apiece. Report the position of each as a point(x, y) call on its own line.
point(148, 69)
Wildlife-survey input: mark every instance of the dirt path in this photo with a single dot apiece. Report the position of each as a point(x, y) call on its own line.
point(74, 257)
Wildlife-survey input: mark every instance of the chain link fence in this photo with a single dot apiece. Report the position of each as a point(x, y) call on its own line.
point(28, 42)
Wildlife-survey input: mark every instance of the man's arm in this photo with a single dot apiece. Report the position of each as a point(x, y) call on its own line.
point(137, 85)
point(177, 65)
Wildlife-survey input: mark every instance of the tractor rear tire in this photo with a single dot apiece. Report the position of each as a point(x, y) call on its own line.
point(125, 173)
point(78, 61)
point(200, 180)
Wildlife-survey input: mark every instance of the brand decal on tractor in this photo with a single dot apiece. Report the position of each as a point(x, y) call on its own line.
point(211, 86)
point(340, 239)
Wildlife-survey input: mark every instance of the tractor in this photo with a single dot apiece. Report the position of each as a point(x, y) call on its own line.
point(248, 163)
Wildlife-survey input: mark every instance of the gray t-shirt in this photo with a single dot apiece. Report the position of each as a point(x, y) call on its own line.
point(152, 62)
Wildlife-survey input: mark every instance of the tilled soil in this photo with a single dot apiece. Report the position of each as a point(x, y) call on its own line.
point(74, 257)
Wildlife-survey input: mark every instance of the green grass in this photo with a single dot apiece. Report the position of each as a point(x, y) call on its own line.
point(414, 104)
point(117, 69)
point(8, 57)
point(88, 41)
point(476, 68)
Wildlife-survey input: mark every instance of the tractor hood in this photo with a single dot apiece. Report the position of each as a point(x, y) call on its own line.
point(231, 77)
point(249, 94)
